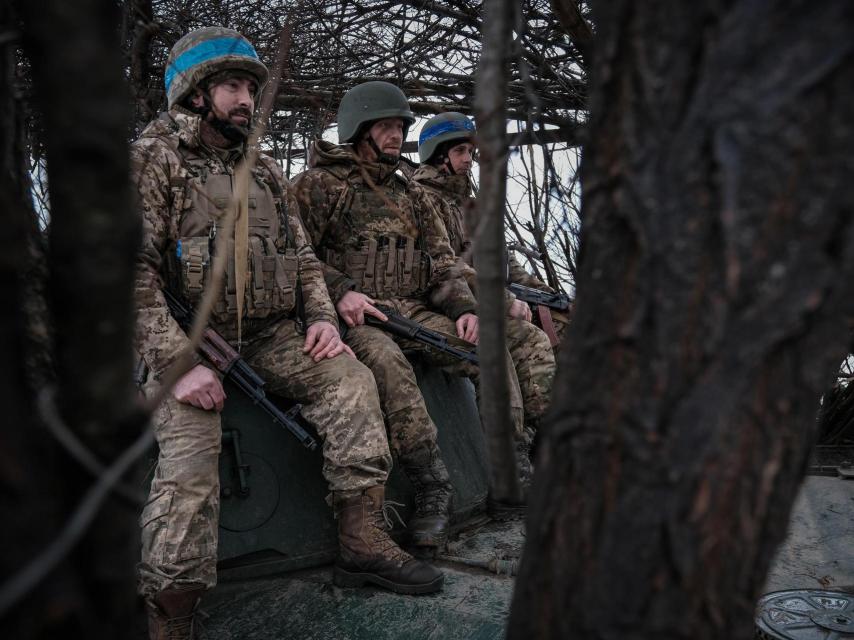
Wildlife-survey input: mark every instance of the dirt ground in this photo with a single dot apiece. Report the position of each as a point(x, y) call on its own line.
point(818, 552)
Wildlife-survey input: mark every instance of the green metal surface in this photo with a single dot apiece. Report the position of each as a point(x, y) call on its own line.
point(278, 519)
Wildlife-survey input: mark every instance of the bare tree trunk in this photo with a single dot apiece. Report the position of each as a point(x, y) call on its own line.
point(78, 79)
point(141, 29)
point(489, 252)
point(714, 286)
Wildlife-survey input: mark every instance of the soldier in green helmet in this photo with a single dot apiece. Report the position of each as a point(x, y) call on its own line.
point(184, 166)
point(381, 241)
point(446, 150)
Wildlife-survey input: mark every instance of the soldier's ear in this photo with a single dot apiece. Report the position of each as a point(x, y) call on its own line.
point(196, 98)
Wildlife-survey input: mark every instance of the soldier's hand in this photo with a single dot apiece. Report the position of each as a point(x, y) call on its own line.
point(201, 388)
point(520, 310)
point(467, 327)
point(354, 305)
point(322, 341)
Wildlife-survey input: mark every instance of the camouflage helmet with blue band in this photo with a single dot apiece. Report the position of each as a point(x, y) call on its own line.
point(204, 52)
point(441, 128)
point(368, 102)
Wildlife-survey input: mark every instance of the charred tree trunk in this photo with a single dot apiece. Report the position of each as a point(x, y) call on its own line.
point(714, 287)
point(489, 253)
point(87, 588)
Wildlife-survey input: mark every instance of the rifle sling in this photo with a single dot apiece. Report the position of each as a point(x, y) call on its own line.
point(547, 325)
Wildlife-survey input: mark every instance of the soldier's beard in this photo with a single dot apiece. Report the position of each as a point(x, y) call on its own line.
point(230, 130)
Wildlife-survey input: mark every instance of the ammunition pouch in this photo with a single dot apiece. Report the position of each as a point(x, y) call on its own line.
point(271, 283)
point(200, 200)
point(385, 266)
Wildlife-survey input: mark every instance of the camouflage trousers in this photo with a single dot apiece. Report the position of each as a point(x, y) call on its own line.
point(533, 366)
point(180, 520)
point(409, 425)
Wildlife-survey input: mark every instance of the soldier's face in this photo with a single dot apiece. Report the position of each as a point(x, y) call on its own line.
point(233, 99)
point(461, 157)
point(387, 135)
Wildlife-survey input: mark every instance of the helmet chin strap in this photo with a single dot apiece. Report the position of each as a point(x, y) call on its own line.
point(382, 157)
point(449, 166)
point(229, 130)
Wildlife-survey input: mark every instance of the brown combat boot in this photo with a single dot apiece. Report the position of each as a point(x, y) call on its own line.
point(367, 555)
point(428, 526)
point(171, 613)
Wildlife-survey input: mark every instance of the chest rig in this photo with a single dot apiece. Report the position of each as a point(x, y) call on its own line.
point(376, 240)
point(200, 200)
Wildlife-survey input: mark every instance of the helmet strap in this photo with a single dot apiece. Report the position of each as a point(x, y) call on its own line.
point(383, 158)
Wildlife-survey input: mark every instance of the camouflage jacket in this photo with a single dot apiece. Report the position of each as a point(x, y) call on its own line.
point(348, 205)
point(169, 162)
point(451, 196)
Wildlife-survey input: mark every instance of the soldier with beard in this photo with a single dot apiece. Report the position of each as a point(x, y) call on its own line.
point(185, 166)
point(381, 241)
point(446, 150)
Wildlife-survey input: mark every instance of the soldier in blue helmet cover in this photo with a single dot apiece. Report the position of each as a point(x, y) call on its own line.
point(184, 167)
point(446, 150)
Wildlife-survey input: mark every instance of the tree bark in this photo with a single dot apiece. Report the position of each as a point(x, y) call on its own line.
point(79, 86)
point(714, 286)
point(489, 251)
point(569, 14)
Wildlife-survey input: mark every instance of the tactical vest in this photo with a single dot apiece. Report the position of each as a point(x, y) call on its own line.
point(200, 201)
point(373, 241)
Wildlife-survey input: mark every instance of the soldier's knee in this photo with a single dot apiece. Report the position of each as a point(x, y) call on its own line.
point(357, 379)
point(532, 337)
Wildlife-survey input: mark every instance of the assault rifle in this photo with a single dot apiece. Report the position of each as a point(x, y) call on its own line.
point(559, 301)
point(406, 328)
point(229, 363)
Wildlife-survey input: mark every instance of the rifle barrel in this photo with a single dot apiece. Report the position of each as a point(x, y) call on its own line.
point(406, 328)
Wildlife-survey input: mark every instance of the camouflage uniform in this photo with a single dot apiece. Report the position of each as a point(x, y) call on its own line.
point(451, 195)
point(376, 234)
point(533, 358)
point(183, 188)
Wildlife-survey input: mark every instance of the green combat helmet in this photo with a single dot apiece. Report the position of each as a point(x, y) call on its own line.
point(368, 102)
point(204, 52)
point(443, 128)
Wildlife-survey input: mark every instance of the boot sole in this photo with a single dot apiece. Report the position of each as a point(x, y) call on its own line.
point(348, 579)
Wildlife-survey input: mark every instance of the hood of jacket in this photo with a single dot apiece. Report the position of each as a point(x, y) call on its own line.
point(342, 161)
point(187, 126)
point(457, 186)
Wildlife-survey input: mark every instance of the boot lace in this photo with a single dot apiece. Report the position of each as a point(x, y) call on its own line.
point(431, 493)
point(387, 547)
point(389, 509)
point(180, 628)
